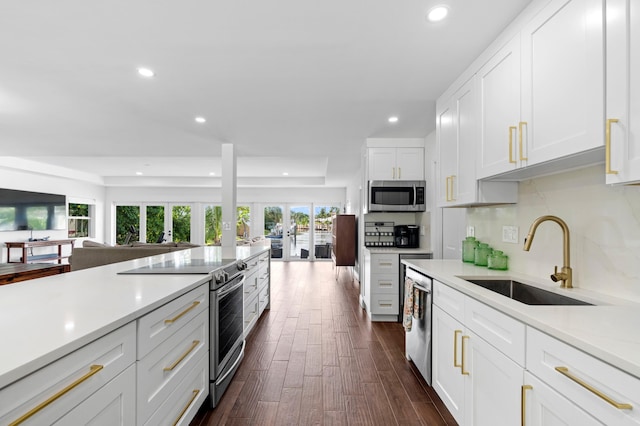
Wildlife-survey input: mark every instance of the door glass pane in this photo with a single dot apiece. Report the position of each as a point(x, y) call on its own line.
point(243, 216)
point(127, 222)
point(181, 218)
point(299, 232)
point(212, 225)
point(155, 224)
point(322, 230)
point(273, 229)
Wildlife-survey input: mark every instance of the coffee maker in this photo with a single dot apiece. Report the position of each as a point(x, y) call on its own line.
point(406, 236)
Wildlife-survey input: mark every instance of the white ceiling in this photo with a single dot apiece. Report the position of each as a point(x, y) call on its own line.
point(295, 85)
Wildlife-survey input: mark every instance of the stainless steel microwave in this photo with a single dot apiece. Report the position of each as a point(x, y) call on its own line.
point(397, 196)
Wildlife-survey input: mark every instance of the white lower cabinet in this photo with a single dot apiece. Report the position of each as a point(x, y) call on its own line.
point(381, 294)
point(479, 384)
point(543, 406)
point(609, 395)
point(47, 395)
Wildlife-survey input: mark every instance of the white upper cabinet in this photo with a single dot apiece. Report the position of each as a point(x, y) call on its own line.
point(623, 92)
point(499, 92)
point(562, 80)
point(401, 163)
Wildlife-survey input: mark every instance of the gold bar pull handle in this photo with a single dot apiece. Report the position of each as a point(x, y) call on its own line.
point(523, 407)
point(194, 395)
point(455, 348)
point(619, 405)
point(92, 370)
point(452, 197)
point(447, 188)
point(607, 147)
point(183, 356)
point(393, 173)
point(462, 370)
point(511, 130)
point(520, 126)
point(181, 314)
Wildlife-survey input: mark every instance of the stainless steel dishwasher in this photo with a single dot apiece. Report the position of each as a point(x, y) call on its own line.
point(418, 339)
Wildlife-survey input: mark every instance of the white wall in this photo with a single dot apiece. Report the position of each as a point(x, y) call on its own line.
point(604, 223)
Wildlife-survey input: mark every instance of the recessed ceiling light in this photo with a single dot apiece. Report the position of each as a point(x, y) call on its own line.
point(437, 13)
point(285, 173)
point(146, 72)
point(139, 173)
point(393, 119)
point(212, 173)
point(200, 120)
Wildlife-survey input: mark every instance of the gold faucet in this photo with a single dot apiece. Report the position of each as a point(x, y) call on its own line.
point(565, 274)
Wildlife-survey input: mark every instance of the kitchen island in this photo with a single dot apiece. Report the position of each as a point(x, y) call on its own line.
point(48, 319)
point(574, 362)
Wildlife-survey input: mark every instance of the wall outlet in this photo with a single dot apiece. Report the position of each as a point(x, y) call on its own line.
point(471, 231)
point(510, 234)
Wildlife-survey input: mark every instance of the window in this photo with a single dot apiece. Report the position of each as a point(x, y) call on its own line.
point(79, 220)
point(213, 223)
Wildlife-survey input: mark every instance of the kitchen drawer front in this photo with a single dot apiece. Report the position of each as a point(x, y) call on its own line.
point(114, 352)
point(545, 353)
point(385, 304)
point(263, 298)
point(186, 397)
point(501, 331)
point(251, 283)
point(384, 264)
point(384, 284)
point(264, 263)
point(449, 300)
point(251, 314)
point(113, 404)
point(157, 326)
point(160, 371)
point(253, 265)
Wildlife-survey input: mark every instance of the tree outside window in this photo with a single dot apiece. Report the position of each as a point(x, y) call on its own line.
point(79, 220)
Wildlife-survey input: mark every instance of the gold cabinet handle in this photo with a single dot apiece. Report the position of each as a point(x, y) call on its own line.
point(565, 372)
point(523, 408)
point(520, 125)
point(183, 356)
point(455, 348)
point(184, 410)
point(393, 173)
point(451, 187)
point(181, 314)
point(447, 188)
point(607, 147)
point(92, 370)
point(511, 130)
point(464, 373)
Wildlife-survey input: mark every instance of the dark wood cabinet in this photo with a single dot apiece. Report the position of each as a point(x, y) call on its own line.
point(343, 247)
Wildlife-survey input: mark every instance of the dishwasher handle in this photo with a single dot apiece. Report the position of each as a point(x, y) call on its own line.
point(421, 288)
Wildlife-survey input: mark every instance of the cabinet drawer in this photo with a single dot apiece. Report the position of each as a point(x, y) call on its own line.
point(384, 283)
point(160, 371)
point(501, 331)
point(384, 264)
point(545, 354)
point(450, 300)
point(385, 304)
point(263, 299)
point(157, 326)
point(253, 264)
point(264, 263)
point(75, 372)
point(113, 404)
point(251, 313)
point(251, 285)
point(183, 403)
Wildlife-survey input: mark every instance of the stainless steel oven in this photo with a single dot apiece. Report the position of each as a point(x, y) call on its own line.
point(226, 327)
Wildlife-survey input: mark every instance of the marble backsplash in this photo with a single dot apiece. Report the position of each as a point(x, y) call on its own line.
point(604, 224)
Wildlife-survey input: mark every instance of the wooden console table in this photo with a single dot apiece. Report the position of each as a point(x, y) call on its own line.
point(25, 245)
point(17, 272)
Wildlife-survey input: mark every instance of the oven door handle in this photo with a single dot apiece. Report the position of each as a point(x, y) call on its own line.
point(221, 379)
point(226, 290)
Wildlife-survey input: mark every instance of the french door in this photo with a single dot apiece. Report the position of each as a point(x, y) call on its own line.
point(288, 227)
point(153, 223)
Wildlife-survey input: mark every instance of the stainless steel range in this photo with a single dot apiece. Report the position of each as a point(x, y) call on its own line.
point(226, 313)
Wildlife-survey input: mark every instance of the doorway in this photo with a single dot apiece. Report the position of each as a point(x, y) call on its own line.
point(287, 226)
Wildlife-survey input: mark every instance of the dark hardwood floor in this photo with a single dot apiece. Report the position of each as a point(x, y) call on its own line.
point(315, 358)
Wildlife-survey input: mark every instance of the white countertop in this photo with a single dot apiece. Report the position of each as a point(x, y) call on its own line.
point(608, 331)
point(44, 319)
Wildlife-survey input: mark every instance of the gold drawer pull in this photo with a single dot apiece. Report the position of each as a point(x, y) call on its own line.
point(455, 348)
point(520, 124)
point(181, 314)
point(184, 355)
point(194, 395)
point(464, 373)
point(511, 130)
point(92, 370)
point(607, 147)
point(565, 371)
point(385, 305)
point(523, 407)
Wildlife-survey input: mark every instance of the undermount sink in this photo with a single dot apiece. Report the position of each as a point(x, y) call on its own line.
point(524, 293)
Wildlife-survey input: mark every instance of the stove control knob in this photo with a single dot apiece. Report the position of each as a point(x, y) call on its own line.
point(241, 266)
point(219, 277)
